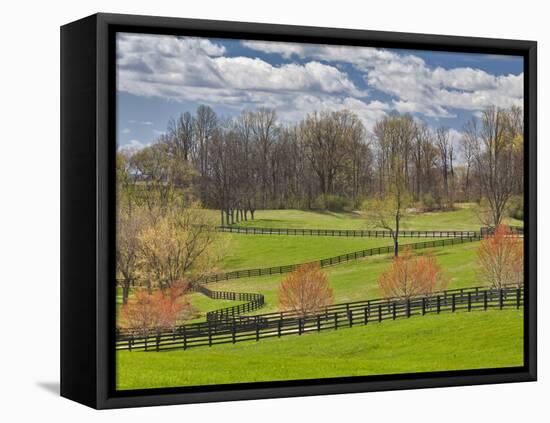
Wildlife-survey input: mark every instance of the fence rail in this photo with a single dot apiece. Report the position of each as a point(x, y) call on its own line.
point(338, 316)
point(332, 261)
point(253, 302)
point(345, 232)
point(489, 230)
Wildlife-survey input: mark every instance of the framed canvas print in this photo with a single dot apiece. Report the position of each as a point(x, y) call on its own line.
point(255, 211)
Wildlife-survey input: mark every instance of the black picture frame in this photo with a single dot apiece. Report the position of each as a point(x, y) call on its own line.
point(88, 146)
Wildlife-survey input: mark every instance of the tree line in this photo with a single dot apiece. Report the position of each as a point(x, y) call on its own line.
point(328, 160)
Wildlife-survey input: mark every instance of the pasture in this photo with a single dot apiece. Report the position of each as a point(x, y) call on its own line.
point(456, 341)
point(430, 343)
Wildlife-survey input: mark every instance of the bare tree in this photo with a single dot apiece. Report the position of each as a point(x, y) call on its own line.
point(496, 162)
point(265, 131)
point(470, 150)
point(446, 152)
point(180, 132)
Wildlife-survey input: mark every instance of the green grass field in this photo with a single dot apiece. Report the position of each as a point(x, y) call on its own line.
point(431, 343)
point(461, 219)
point(253, 251)
point(358, 280)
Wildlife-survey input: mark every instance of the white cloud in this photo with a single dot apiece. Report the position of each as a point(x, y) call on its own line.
point(132, 147)
point(415, 86)
point(171, 67)
point(198, 70)
point(126, 131)
point(192, 69)
point(139, 122)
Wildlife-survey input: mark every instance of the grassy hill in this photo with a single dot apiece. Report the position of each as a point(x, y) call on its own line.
point(359, 280)
point(253, 251)
point(431, 343)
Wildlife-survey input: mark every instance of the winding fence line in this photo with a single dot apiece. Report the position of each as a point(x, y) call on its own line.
point(254, 302)
point(345, 232)
point(246, 328)
point(332, 261)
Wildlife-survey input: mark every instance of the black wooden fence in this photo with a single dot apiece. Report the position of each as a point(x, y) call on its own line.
point(338, 316)
point(345, 232)
point(253, 302)
point(332, 261)
point(488, 230)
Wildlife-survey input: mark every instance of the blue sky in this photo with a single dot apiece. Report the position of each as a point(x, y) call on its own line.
point(159, 77)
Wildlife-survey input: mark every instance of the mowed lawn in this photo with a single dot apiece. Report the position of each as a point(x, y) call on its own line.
point(255, 251)
point(358, 280)
point(463, 219)
point(443, 342)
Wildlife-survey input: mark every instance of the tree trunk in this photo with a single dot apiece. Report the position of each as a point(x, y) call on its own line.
point(125, 291)
point(396, 236)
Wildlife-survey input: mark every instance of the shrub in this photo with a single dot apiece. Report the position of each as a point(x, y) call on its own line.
point(408, 276)
point(515, 207)
point(332, 203)
point(428, 202)
point(500, 257)
point(152, 311)
point(306, 290)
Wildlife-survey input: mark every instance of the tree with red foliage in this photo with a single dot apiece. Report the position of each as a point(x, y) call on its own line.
point(408, 276)
point(500, 257)
point(156, 310)
point(306, 290)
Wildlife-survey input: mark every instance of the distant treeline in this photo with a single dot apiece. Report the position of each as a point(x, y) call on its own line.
point(328, 160)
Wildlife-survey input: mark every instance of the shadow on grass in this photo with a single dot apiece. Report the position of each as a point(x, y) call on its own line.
point(337, 215)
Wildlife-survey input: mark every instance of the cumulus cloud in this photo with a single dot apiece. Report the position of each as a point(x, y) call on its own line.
point(176, 67)
point(306, 77)
point(196, 70)
point(414, 86)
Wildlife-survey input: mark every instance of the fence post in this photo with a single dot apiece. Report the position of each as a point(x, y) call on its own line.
point(336, 321)
point(158, 340)
point(453, 304)
point(379, 312)
point(518, 297)
point(318, 323)
point(184, 338)
point(484, 300)
point(209, 334)
point(423, 306)
point(350, 318)
point(130, 342)
point(394, 310)
point(257, 329)
point(438, 304)
point(408, 307)
point(501, 298)
point(469, 301)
